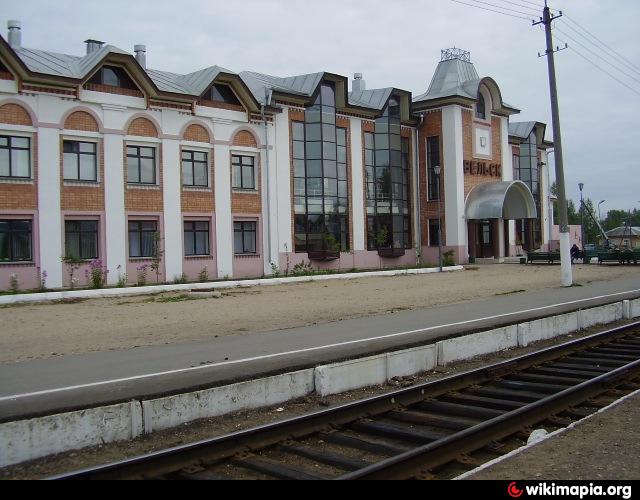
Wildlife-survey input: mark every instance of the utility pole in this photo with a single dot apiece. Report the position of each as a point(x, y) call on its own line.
point(565, 244)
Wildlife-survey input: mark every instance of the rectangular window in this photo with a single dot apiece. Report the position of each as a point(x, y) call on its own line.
point(15, 157)
point(196, 238)
point(244, 237)
point(141, 165)
point(81, 239)
point(15, 240)
point(434, 228)
point(195, 169)
point(433, 159)
point(243, 172)
point(142, 238)
point(80, 161)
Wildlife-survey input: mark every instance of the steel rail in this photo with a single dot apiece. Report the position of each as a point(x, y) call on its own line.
point(211, 451)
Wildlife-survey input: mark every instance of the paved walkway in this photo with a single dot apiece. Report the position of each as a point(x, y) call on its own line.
point(57, 384)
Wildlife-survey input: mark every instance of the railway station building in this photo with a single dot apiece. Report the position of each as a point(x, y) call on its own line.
point(217, 174)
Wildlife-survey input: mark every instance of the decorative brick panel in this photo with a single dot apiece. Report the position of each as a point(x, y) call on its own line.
point(248, 202)
point(245, 139)
point(142, 127)
point(431, 127)
point(197, 133)
point(144, 199)
point(22, 195)
point(108, 89)
point(221, 105)
point(79, 197)
point(14, 115)
point(81, 120)
point(196, 200)
point(471, 180)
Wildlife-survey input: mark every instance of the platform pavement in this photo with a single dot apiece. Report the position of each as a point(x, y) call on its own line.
point(77, 381)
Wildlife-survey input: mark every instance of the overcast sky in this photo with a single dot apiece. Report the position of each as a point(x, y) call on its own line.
point(394, 44)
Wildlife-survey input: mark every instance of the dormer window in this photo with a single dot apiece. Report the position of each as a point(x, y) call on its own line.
point(481, 107)
point(222, 93)
point(113, 77)
point(4, 71)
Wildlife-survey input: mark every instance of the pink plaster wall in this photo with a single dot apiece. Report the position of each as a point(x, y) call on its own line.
point(358, 259)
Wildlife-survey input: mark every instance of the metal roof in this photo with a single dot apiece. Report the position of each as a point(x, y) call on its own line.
point(452, 78)
point(510, 200)
point(192, 84)
point(619, 232)
point(373, 99)
point(521, 130)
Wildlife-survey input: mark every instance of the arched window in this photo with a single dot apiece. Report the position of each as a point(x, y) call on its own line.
point(481, 107)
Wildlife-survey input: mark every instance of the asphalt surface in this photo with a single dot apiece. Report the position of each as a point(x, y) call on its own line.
point(64, 383)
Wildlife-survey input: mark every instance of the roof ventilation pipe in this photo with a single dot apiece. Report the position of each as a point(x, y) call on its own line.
point(141, 55)
point(359, 84)
point(93, 46)
point(15, 34)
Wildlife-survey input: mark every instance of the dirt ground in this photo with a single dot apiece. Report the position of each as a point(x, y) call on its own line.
point(218, 426)
point(590, 451)
point(57, 329)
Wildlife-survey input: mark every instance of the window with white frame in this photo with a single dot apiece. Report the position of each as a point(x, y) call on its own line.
point(80, 161)
point(15, 157)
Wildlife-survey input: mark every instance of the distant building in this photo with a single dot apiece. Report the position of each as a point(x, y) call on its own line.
point(236, 174)
point(575, 234)
point(625, 237)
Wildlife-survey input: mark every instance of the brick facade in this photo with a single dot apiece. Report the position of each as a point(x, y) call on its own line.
point(142, 127)
point(20, 195)
point(14, 114)
point(82, 196)
point(471, 180)
point(245, 139)
point(81, 120)
point(196, 133)
point(109, 89)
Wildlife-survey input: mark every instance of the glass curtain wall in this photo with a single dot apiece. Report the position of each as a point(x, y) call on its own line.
point(527, 170)
point(387, 173)
point(321, 202)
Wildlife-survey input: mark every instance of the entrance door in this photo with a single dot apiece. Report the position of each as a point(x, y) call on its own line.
point(485, 239)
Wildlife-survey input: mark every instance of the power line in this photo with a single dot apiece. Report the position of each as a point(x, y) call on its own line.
point(597, 55)
point(615, 53)
point(522, 6)
point(503, 8)
point(598, 67)
point(491, 10)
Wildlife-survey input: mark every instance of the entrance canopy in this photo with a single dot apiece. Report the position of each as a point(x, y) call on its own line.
point(510, 200)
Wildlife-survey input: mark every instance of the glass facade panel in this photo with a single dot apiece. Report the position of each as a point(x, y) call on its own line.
point(320, 178)
point(387, 175)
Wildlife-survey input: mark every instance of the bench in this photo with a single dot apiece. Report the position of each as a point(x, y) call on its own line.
point(621, 257)
point(548, 257)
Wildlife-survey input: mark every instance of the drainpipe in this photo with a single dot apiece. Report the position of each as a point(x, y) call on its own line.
point(418, 207)
point(268, 95)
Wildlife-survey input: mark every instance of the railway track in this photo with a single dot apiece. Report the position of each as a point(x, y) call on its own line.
point(434, 430)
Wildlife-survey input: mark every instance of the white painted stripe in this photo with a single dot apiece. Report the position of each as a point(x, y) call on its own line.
point(300, 351)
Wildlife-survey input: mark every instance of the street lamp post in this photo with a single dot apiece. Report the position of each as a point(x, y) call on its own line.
point(581, 186)
point(436, 171)
point(599, 214)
